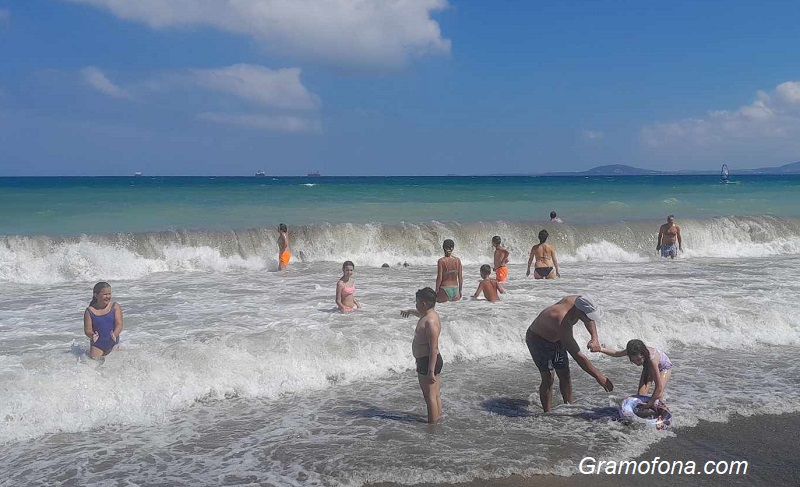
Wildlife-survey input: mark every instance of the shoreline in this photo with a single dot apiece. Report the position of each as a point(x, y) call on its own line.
point(766, 442)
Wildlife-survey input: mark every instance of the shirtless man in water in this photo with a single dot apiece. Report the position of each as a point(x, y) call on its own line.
point(550, 335)
point(543, 256)
point(425, 348)
point(668, 235)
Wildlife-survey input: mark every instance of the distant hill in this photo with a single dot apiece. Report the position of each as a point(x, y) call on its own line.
point(609, 170)
point(623, 170)
point(793, 168)
point(618, 170)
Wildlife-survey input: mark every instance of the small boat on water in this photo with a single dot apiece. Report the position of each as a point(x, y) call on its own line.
point(261, 174)
point(137, 174)
point(313, 174)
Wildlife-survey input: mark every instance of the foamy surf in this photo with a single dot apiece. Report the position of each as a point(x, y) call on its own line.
point(42, 259)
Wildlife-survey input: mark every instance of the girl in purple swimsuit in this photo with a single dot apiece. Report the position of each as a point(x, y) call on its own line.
point(656, 368)
point(102, 321)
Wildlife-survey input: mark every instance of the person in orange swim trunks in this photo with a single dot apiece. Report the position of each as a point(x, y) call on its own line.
point(500, 259)
point(283, 247)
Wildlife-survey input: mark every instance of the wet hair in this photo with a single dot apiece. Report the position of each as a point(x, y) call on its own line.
point(427, 296)
point(486, 269)
point(496, 240)
point(448, 245)
point(282, 227)
point(670, 216)
point(553, 214)
point(348, 263)
point(543, 236)
point(637, 347)
point(98, 288)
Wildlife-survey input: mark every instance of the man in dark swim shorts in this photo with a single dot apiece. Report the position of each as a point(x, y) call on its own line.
point(549, 339)
point(546, 355)
point(422, 365)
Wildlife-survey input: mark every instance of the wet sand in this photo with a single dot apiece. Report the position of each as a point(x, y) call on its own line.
point(767, 443)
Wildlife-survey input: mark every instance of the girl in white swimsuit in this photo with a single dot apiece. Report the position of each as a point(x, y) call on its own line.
point(656, 368)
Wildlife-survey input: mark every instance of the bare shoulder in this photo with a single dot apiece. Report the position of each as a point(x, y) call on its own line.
point(432, 320)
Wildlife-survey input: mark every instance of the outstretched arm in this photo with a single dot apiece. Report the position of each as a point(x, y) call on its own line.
point(405, 313)
point(613, 353)
point(594, 343)
point(583, 361)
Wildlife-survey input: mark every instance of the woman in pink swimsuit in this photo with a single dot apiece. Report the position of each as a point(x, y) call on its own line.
point(346, 289)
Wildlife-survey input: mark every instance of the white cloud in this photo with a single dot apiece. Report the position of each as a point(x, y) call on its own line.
point(344, 32)
point(773, 116)
point(592, 135)
point(272, 123)
point(97, 80)
point(279, 88)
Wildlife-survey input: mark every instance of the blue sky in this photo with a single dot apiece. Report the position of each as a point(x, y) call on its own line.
point(395, 87)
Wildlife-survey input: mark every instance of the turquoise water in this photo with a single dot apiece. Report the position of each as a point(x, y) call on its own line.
point(230, 372)
point(72, 206)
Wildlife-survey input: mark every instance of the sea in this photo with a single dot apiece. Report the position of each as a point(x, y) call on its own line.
point(230, 372)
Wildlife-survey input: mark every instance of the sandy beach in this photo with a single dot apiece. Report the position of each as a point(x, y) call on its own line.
point(767, 443)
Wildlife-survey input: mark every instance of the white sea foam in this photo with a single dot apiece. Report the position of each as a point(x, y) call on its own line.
point(219, 355)
point(132, 256)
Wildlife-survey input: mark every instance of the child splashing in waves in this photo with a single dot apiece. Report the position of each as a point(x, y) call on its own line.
point(488, 286)
point(102, 322)
point(449, 278)
point(656, 368)
point(346, 289)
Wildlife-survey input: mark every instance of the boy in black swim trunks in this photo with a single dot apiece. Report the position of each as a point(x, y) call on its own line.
point(549, 339)
point(425, 348)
